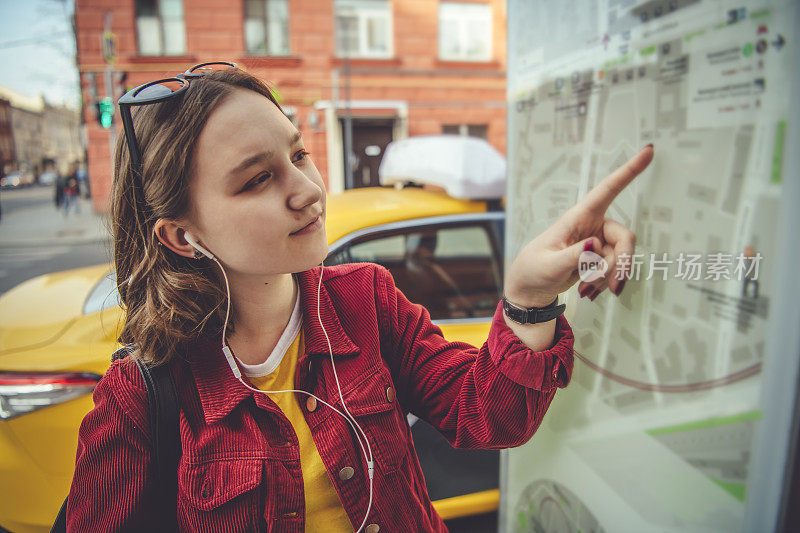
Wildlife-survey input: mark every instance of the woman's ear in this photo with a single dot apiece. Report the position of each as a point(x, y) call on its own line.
point(170, 234)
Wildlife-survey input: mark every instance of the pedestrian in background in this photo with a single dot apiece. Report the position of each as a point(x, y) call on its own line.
point(71, 193)
point(59, 185)
point(83, 180)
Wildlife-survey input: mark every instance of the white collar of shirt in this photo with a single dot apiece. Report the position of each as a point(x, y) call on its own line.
point(275, 358)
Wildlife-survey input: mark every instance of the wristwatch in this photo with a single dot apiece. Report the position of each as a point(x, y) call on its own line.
point(533, 315)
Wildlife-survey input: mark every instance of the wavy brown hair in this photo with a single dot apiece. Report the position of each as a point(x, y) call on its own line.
point(167, 298)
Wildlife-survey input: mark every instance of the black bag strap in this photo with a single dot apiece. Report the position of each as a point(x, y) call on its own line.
point(163, 403)
point(162, 400)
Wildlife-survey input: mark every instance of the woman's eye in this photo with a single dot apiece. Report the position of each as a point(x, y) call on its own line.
point(261, 178)
point(302, 154)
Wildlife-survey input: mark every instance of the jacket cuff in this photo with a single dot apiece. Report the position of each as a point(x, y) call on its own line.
point(541, 370)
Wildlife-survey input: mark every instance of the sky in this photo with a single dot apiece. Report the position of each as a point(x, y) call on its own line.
point(37, 49)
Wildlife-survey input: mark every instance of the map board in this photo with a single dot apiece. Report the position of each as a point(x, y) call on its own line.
point(657, 428)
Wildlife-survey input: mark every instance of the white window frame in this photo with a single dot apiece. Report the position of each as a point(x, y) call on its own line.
point(363, 11)
point(266, 23)
point(162, 36)
point(461, 13)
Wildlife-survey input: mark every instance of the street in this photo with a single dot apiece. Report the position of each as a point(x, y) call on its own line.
point(37, 239)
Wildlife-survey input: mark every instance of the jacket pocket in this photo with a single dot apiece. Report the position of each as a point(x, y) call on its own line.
point(221, 495)
point(373, 403)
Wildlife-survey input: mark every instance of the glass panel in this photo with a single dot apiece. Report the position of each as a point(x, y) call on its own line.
point(149, 34)
point(278, 27)
point(363, 27)
point(104, 295)
point(346, 35)
point(255, 9)
point(254, 37)
point(376, 35)
point(477, 46)
point(171, 9)
point(379, 250)
point(448, 39)
point(174, 37)
point(450, 128)
point(146, 8)
point(465, 31)
point(463, 242)
point(478, 130)
point(451, 271)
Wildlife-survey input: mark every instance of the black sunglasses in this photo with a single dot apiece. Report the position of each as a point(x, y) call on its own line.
point(158, 91)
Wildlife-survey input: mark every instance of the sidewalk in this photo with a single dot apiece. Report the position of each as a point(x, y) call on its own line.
point(41, 224)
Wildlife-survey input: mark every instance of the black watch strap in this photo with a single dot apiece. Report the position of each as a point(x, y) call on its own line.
point(533, 315)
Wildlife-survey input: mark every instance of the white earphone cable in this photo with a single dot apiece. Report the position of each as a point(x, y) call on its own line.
point(349, 417)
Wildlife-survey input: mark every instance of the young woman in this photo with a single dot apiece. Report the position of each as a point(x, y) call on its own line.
point(219, 232)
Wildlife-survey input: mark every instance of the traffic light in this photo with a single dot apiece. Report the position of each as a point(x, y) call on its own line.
point(105, 111)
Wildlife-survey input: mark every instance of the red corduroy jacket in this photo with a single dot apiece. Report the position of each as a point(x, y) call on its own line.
point(240, 468)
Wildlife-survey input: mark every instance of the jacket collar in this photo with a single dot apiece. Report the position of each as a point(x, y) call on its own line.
point(220, 392)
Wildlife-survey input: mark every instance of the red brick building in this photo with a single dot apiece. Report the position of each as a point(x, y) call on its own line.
point(416, 67)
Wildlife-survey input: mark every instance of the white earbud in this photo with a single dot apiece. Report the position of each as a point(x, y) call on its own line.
point(196, 246)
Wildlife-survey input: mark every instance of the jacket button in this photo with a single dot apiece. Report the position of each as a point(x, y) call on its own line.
point(311, 404)
point(390, 394)
point(346, 473)
point(373, 528)
point(205, 492)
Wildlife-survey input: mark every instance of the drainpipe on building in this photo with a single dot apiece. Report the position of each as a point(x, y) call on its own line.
point(348, 126)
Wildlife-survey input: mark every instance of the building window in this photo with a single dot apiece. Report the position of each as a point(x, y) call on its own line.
point(364, 28)
point(160, 28)
point(266, 27)
point(465, 31)
point(467, 130)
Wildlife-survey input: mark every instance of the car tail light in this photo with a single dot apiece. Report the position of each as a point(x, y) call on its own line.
point(25, 392)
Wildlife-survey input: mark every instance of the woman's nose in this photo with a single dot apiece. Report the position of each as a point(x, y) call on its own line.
point(304, 189)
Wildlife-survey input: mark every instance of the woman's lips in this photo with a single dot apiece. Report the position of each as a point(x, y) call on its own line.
point(310, 228)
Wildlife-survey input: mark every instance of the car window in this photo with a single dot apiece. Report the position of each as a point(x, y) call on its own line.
point(103, 295)
point(389, 248)
point(454, 270)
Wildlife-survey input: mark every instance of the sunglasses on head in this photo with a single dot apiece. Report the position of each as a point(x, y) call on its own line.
point(158, 91)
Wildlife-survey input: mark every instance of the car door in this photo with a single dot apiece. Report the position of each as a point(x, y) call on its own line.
point(453, 265)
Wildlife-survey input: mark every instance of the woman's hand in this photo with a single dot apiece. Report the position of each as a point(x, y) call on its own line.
point(548, 265)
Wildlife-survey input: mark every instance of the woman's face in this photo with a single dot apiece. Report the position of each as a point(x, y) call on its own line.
point(252, 186)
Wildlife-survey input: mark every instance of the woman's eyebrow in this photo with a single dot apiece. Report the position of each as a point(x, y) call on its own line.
point(250, 161)
point(261, 156)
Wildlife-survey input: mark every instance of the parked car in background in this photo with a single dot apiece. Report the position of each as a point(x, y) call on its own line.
point(16, 179)
point(58, 331)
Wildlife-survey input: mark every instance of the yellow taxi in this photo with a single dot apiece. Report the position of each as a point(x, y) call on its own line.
point(57, 333)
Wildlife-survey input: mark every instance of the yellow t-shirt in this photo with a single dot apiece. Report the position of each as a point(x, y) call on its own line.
point(324, 511)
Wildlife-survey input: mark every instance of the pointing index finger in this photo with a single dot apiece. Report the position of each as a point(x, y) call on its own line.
point(600, 197)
